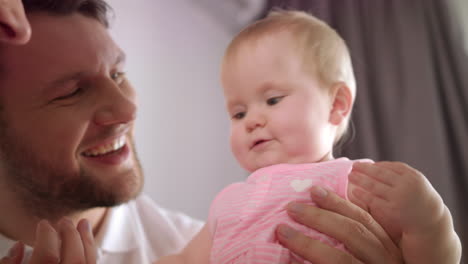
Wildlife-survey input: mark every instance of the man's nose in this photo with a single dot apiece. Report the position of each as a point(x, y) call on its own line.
point(119, 106)
point(254, 120)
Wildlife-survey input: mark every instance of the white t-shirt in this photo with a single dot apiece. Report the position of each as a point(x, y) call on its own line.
point(137, 232)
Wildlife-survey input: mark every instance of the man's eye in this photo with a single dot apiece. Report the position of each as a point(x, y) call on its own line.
point(274, 100)
point(118, 77)
point(239, 115)
point(75, 92)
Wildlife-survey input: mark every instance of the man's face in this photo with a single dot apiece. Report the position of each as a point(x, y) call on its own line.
point(66, 126)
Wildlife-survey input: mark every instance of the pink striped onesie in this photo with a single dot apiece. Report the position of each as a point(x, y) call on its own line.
point(244, 216)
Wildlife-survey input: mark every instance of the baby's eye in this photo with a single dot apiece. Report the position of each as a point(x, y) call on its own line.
point(239, 115)
point(274, 100)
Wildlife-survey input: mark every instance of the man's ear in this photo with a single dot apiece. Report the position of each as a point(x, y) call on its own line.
point(342, 103)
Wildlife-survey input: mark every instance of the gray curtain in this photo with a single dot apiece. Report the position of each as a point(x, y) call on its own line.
point(412, 100)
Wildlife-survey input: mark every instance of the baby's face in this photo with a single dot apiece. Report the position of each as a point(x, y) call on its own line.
point(279, 113)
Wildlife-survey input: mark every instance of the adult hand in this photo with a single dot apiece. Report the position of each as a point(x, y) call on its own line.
point(365, 239)
point(404, 202)
point(14, 26)
point(66, 245)
point(400, 197)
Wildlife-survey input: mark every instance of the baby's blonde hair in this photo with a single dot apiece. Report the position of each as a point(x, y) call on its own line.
point(323, 51)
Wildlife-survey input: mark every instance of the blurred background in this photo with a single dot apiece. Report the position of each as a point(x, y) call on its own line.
point(410, 59)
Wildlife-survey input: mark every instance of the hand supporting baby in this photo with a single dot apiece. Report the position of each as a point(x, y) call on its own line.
point(365, 239)
point(402, 200)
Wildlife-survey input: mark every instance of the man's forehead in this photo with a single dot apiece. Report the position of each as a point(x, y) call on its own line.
point(69, 31)
point(72, 40)
point(62, 45)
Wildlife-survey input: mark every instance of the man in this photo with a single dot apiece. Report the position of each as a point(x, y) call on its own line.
point(66, 150)
point(66, 142)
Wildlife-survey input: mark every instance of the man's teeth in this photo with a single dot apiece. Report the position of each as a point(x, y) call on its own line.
point(104, 149)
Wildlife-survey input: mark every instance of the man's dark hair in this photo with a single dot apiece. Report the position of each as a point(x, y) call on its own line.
point(96, 9)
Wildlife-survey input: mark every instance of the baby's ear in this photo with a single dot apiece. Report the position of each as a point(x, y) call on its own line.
point(342, 103)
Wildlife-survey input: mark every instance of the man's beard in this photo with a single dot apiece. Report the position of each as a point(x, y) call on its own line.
point(51, 192)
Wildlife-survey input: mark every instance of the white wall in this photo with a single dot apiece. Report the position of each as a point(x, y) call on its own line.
point(173, 51)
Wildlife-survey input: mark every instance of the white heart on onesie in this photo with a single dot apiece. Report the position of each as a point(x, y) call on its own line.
point(301, 185)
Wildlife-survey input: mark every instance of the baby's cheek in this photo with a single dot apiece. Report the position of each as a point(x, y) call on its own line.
point(237, 149)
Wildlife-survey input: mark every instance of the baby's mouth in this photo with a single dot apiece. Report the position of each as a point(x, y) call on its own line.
point(258, 142)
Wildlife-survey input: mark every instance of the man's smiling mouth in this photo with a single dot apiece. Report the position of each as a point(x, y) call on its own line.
point(113, 146)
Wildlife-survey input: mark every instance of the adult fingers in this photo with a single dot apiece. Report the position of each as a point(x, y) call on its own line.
point(15, 254)
point(397, 167)
point(371, 185)
point(332, 202)
point(348, 223)
point(380, 173)
point(14, 26)
point(357, 238)
point(313, 250)
point(46, 246)
point(8, 260)
point(87, 238)
point(72, 250)
point(369, 199)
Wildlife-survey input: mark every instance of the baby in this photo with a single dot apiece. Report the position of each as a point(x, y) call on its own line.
point(289, 89)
